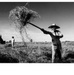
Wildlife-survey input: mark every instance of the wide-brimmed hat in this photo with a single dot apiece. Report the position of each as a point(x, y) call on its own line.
point(54, 26)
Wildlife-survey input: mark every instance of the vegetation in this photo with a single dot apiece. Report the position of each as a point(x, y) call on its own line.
point(34, 53)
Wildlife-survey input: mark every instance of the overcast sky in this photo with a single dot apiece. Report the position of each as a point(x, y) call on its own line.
point(60, 13)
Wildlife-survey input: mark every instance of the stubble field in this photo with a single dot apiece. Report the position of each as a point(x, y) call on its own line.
point(36, 52)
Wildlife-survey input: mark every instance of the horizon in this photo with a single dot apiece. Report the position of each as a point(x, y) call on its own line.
point(61, 13)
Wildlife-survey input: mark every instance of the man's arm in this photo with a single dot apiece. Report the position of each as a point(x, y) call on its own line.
point(46, 32)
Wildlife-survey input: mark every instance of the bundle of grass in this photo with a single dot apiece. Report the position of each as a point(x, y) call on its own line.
point(22, 16)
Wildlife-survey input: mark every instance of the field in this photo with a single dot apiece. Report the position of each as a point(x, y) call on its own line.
point(36, 52)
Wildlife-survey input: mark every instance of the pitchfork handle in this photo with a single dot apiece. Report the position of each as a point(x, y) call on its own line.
point(35, 25)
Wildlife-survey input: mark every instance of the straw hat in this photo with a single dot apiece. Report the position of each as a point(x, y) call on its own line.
point(54, 26)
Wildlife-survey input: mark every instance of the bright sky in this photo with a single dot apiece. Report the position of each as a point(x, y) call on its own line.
point(60, 13)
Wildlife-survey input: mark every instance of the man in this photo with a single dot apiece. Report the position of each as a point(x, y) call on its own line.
point(56, 45)
point(13, 41)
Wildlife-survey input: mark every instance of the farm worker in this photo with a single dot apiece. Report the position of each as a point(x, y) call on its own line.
point(56, 43)
point(13, 41)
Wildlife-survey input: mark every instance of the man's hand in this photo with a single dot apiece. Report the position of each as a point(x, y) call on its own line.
point(44, 31)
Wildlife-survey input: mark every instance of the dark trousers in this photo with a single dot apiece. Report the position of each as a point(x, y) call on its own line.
point(58, 56)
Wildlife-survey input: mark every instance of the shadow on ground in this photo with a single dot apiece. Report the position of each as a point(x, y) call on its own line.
point(7, 59)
